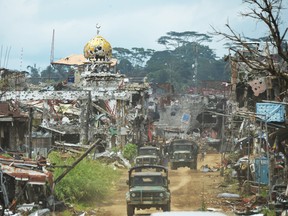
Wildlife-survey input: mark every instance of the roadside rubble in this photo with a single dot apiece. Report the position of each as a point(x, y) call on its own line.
point(25, 184)
point(115, 159)
point(206, 168)
point(100, 104)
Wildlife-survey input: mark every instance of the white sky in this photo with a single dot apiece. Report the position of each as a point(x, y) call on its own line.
point(28, 25)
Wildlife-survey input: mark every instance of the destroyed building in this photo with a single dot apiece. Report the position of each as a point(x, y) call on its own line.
point(102, 103)
point(13, 120)
point(256, 115)
point(96, 102)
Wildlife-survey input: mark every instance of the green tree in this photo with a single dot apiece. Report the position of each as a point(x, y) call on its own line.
point(55, 73)
point(177, 39)
point(130, 151)
point(134, 59)
point(48, 74)
point(188, 61)
point(34, 73)
point(121, 53)
point(125, 66)
point(140, 56)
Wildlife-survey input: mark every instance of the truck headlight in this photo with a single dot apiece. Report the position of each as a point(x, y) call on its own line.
point(161, 195)
point(133, 195)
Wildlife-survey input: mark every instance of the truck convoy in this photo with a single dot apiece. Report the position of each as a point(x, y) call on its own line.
point(148, 188)
point(183, 153)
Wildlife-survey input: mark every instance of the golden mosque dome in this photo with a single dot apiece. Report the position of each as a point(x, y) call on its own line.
point(98, 49)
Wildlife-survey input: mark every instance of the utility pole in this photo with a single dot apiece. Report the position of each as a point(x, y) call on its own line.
point(59, 178)
point(196, 72)
point(21, 59)
point(195, 67)
point(52, 47)
point(88, 113)
point(30, 131)
point(52, 53)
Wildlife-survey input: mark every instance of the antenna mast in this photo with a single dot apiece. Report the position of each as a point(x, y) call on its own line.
point(21, 59)
point(52, 48)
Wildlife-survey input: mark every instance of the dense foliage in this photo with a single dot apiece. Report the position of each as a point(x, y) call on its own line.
point(184, 62)
point(130, 151)
point(56, 73)
point(89, 181)
point(186, 66)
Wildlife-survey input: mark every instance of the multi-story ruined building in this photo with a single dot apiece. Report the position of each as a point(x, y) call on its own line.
point(103, 103)
point(256, 121)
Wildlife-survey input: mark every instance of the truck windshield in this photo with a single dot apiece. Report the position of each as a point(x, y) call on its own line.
point(182, 147)
point(148, 180)
point(148, 152)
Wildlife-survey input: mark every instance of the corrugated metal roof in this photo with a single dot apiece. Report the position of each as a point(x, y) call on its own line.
point(32, 176)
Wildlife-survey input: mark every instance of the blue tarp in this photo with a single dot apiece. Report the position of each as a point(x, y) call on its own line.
point(271, 112)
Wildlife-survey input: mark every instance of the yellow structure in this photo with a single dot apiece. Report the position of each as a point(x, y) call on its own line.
point(98, 49)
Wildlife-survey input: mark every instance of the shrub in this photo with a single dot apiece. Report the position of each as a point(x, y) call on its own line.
point(130, 151)
point(88, 181)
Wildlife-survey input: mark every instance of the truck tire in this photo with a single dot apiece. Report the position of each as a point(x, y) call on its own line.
point(167, 207)
point(195, 165)
point(130, 210)
point(172, 165)
point(2, 210)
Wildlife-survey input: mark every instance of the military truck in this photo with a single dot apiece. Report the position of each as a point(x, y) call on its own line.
point(149, 155)
point(148, 189)
point(183, 153)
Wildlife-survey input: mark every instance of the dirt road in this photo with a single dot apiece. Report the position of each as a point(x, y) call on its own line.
point(190, 190)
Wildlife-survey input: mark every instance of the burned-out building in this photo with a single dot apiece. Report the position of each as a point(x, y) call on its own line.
point(256, 114)
point(13, 80)
point(13, 120)
point(13, 127)
point(258, 96)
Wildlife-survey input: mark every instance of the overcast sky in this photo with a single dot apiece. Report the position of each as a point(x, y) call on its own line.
point(28, 25)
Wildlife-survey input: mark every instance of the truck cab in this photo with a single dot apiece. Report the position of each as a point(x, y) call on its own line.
point(148, 189)
point(183, 153)
point(148, 155)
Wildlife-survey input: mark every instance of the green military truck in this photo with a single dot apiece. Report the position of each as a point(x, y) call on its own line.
point(148, 155)
point(148, 188)
point(183, 153)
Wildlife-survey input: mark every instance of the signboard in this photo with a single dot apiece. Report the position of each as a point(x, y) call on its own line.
point(71, 79)
point(271, 112)
point(185, 118)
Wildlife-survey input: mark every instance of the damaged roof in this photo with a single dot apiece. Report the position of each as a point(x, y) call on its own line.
point(77, 60)
point(28, 175)
point(74, 59)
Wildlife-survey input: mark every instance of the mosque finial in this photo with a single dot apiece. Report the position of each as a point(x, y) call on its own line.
point(98, 28)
